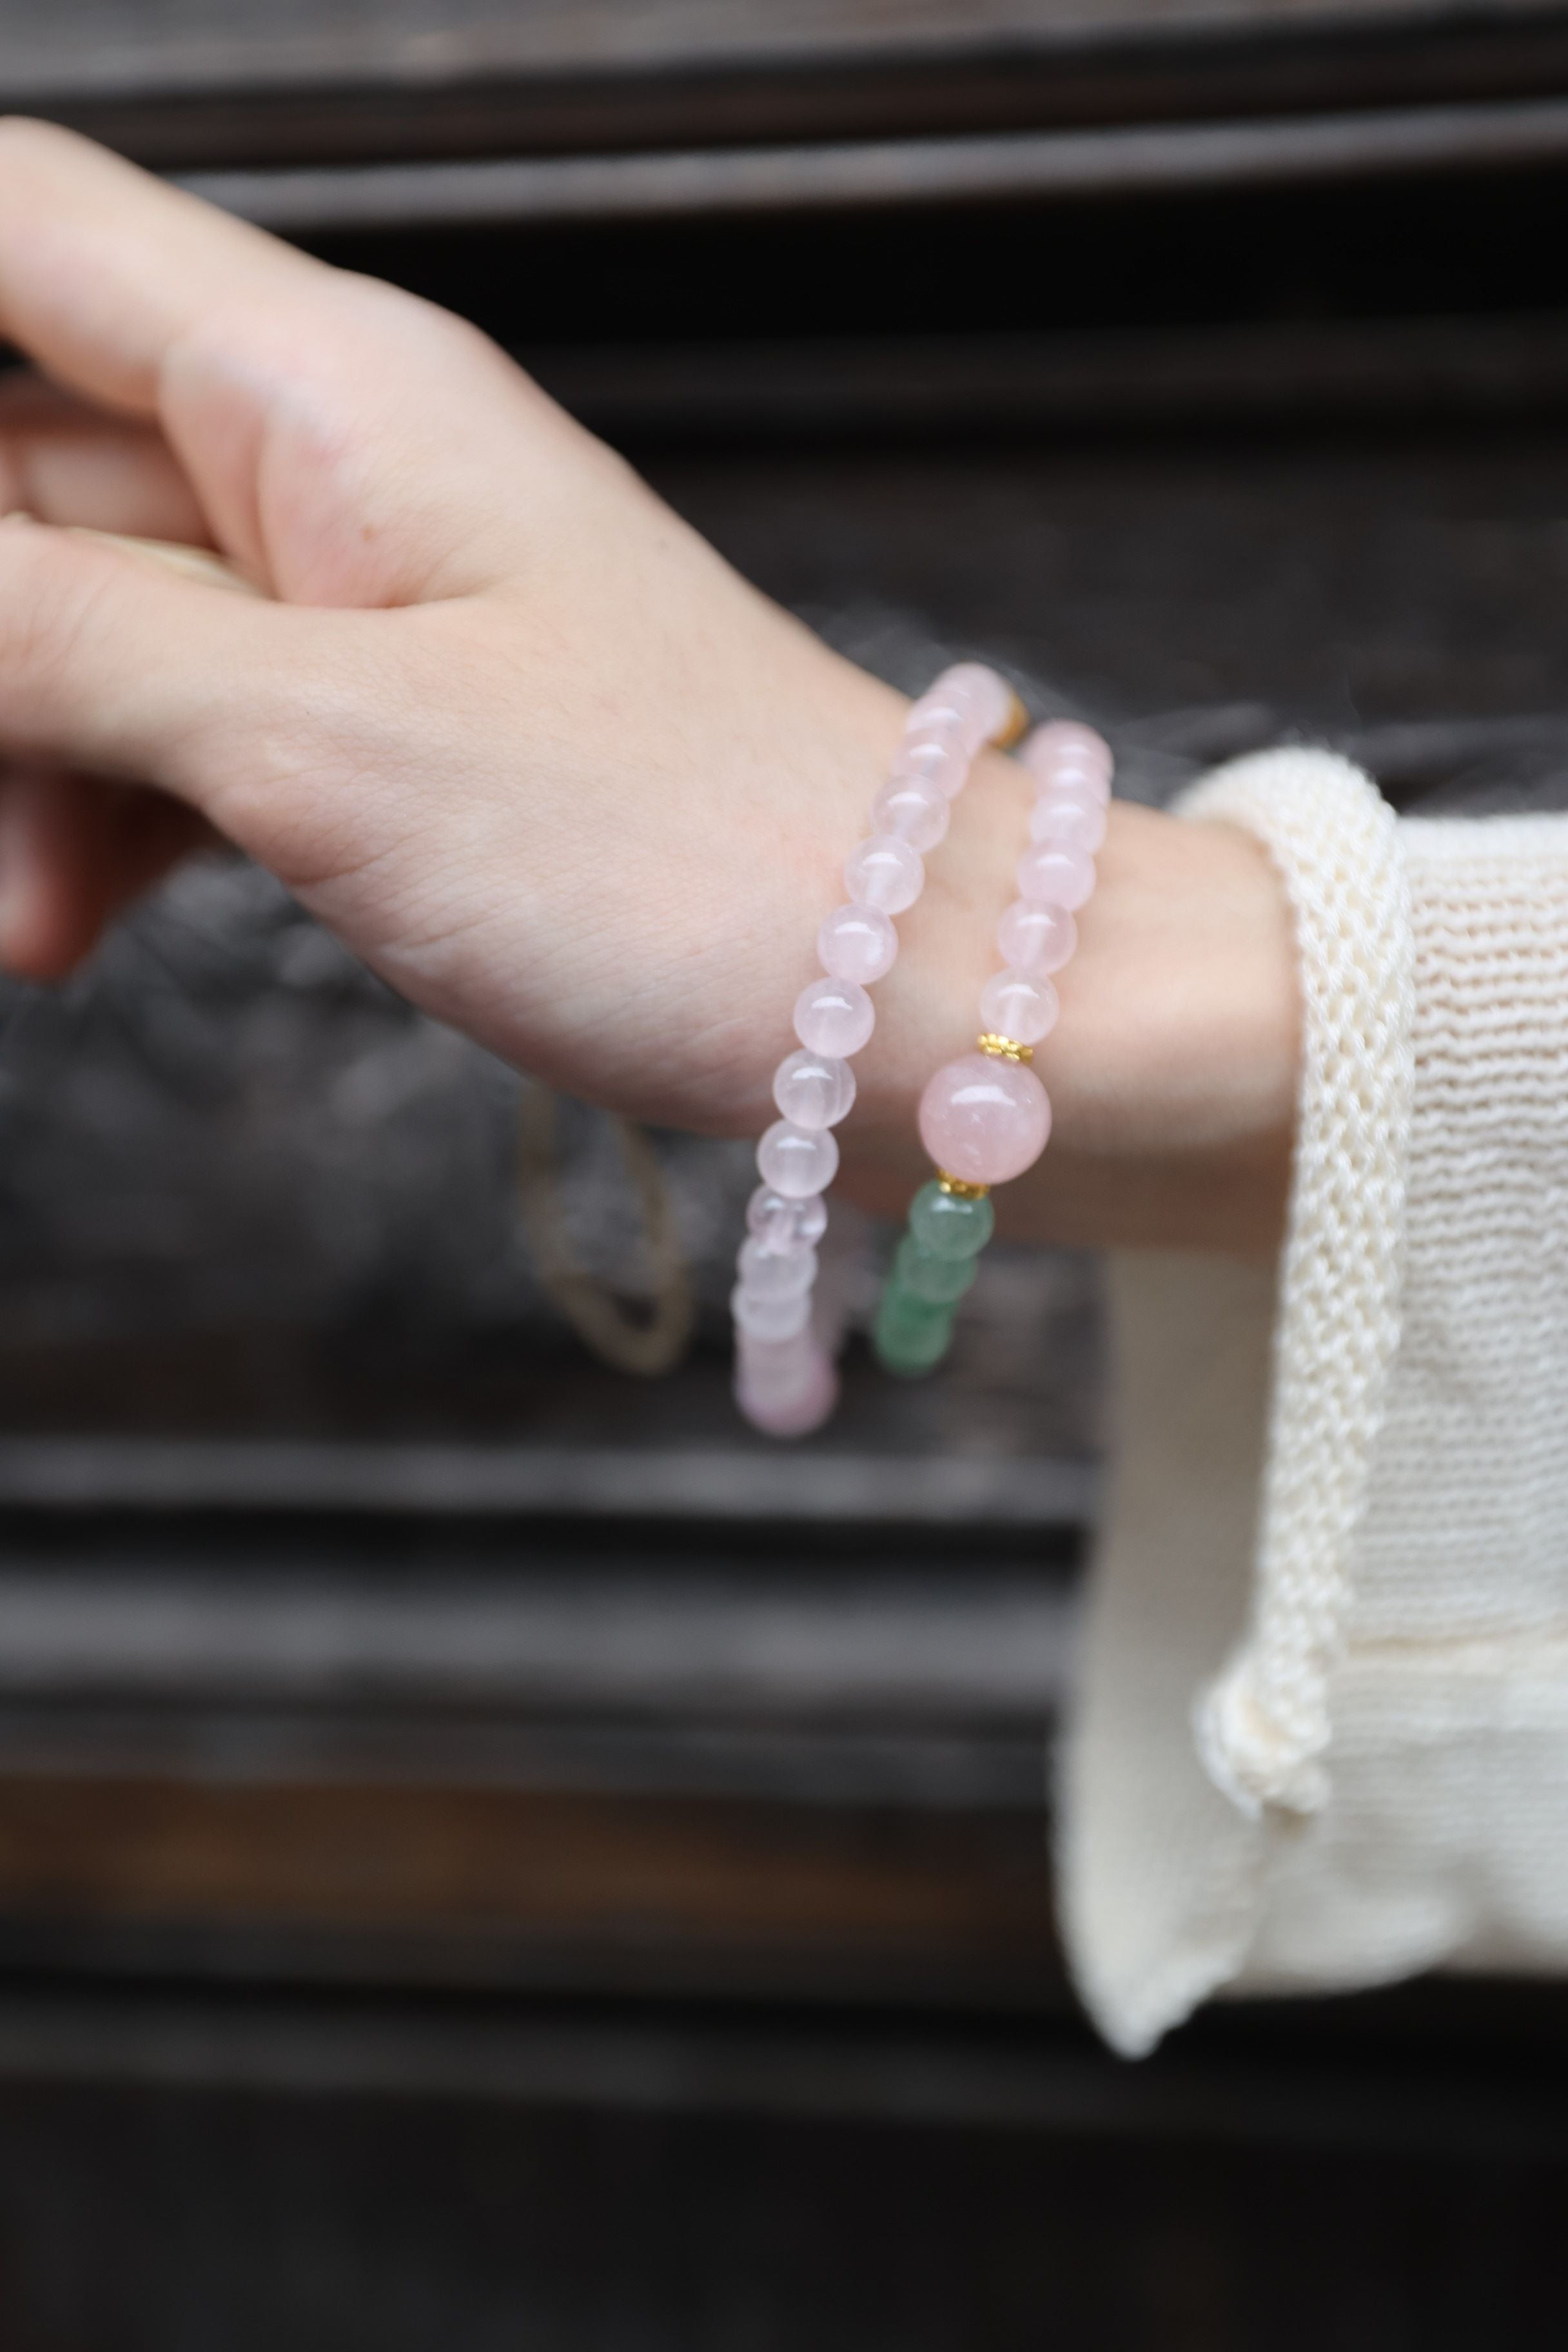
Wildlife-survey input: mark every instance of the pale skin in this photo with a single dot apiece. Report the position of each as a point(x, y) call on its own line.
point(522, 740)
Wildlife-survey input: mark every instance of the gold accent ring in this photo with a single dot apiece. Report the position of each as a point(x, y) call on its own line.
point(991, 1041)
point(956, 1185)
point(1016, 727)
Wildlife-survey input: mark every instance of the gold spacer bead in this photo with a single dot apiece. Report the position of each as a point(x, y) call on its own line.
point(1015, 728)
point(956, 1185)
point(1007, 1049)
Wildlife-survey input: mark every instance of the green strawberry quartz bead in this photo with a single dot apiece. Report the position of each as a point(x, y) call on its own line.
point(942, 1281)
point(951, 1224)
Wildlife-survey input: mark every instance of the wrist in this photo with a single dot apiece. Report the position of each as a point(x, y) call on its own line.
point(1171, 1071)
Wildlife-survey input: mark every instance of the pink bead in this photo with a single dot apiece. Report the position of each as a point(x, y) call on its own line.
point(942, 757)
point(915, 808)
point(937, 711)
point(786, 1224)
point(1064, 745)
point(797, 1160)
point(767, 1273)
point(777, 1368)
point(813, 1089)
point(984, 701)
point(940, 716)
point(1056, 877)
point(1036, 938)
point(883, 871)
point(1079, 783)
point(777, 1360)
point(857, 943)
point(792, 1411)
point(991, 697)
point(1019, 1004)
point(767, 1318)
point(834, 1016)
point(1068, 821)
point(984, 1118)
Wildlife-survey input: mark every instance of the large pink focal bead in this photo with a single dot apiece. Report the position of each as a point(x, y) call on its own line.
point(984, 1118)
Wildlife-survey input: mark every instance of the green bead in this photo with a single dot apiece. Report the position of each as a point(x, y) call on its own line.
point(907, 1306)
point(947, 1225)
point(907, 1358)
point(940, 1280)
point(911, 1335)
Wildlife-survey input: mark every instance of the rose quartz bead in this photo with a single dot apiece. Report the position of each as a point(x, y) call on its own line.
point(990, 697)
point(1019, 1004)
point(984, 1118)
point(1036, 938)
point(797, 1160)
point(834, 1016)
point(767, 1273)
point(784, 1225)
point(1068, 821)
point(813, 1089)
point(942, 757)
point(937, 710)
point(883, 871)
point(791, 1410)
point(984, 701)
point(1081, 783)
point(772, 1371)
point(857, 943)
point(767, 1318)
point(1056, 877)
point(1064, 745)
point(914, 808)
point(775, 1358)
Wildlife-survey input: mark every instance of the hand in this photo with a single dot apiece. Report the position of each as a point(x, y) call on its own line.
point(519, 736)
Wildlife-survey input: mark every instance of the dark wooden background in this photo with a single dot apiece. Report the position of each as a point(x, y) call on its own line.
point(489, 1854)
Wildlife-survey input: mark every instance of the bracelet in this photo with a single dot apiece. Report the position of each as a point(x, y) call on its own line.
point(785, 1382)
point(985, 1117)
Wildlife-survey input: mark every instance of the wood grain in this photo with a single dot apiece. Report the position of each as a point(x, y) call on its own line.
point(202, 82)
point(138, 43)
point(1003, 167)
point(787, 1894)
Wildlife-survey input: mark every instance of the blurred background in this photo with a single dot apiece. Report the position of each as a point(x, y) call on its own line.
point(490, 1852)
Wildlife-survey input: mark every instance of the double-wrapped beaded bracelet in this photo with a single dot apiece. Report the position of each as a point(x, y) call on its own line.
point(785, 1382)
point(985, 1117)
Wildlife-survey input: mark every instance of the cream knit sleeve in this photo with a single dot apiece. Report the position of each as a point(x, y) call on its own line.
point(1322, 1736)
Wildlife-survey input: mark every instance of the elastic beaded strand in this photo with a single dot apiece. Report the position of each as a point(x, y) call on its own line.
point(987, 1112)
point(785, 1382)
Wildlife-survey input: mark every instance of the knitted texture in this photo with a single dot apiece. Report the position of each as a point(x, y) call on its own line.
point(1263, 1727)
point(1404, 1600)
point(1466, 1531)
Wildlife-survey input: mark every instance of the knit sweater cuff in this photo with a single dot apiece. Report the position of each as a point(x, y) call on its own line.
point(1263, 1725)
point(1321, 1733)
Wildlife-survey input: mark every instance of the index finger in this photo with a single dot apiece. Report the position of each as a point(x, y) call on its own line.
point(350, 443)
point(102, 268)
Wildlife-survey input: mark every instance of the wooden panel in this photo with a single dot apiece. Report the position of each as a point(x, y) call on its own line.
point(506, 1886)
point(492, 1758)
point(225, 2176)
point(1198, 594)
point(207, 82)
point(137, 43)
point(963, 387)
point(1060, 166)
